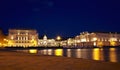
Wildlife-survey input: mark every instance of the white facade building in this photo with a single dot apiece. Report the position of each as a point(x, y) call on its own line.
point(45, 42)
point(22, 37)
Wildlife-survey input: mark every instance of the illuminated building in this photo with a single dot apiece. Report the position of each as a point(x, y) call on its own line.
point(3, 40)
point(64, 43)
point(98, 39)
point(45, 42)
point(22, 37)
point(70, 42)
point(29, 38)
point(58, 40)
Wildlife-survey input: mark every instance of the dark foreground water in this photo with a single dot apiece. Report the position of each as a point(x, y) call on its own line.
point(106, 54)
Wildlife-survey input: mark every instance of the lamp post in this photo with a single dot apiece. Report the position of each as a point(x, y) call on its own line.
point(58, 39)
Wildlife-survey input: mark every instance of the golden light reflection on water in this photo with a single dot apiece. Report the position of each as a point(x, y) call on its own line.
point(96, 54)
point(112, 54)
point(68, 52)
point(78, 53)
point(44, 51)
point(49, 51)
point(33, 51)
point(59, 52)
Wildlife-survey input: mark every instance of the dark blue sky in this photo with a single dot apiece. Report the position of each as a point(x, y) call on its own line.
point(60, 17)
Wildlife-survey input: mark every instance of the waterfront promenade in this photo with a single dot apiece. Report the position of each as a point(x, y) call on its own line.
point(25, 61)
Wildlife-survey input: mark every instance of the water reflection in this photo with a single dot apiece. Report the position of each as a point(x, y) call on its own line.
point(33, 51)
point(59, 52)
point(112, 54)
point(78, 53)
point(106, 54)
point(96, 54)
point(85, 53)
point(68, 52)
point(49, 51)
point(102, 55)
point(45, 52)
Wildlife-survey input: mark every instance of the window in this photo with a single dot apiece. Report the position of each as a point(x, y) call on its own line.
point(12, 37)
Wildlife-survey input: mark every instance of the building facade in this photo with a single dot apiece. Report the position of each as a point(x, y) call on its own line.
point(98, 39)
point(45, 42)
point(29, 38)
point(3, 39)
point(22, 38)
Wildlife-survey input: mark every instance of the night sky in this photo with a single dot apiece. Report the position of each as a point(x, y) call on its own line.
point(60, 17)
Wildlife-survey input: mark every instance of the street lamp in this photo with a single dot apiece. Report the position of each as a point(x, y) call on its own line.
point(58, 39)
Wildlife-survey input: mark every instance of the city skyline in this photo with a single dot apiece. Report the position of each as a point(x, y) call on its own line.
point(59, 34)
point(30, 38)
point(64, 37)
point(60, 17)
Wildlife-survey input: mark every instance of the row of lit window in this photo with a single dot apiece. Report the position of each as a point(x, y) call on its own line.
point(22, 42)
point(21, 38)
point(22, 33)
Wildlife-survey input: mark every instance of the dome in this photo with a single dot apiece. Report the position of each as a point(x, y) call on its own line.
point(45, 37)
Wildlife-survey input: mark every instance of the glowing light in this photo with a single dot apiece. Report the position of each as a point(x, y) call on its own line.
point(49, 51)
point(113, 39)
point(112, 43)
point(112, 53)
point(78, 53)
point(45, 52)
point(83, 40)
point(94, 39)
point(33, 51)
point(5, 39)
point(58, 38)
point(78, 41)
point(12, 37)
point(100, 44)
point(94, 43)
point(58, 52)
point(96, 54)
point(0, 44)
point(68, 49)
point(68, 52)
point(18, 33)
point(45, 37)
